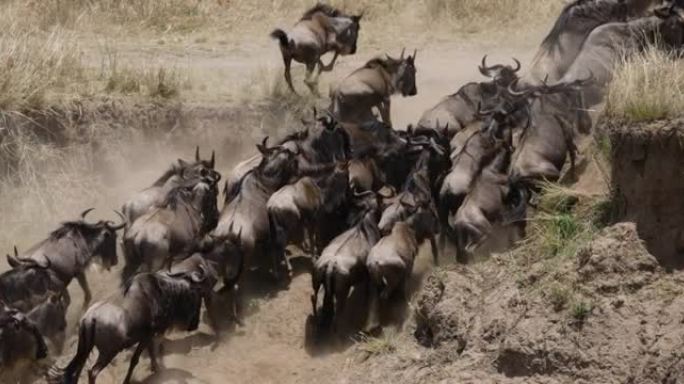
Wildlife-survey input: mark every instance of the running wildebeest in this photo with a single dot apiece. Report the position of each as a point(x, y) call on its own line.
point(556, 114)
point(390, 261)
point(180, 173)
point(371, 86)
point(246, 215)
point(321, 29)
point(63, 256)
point(20, 338)
point(608, 45)
point(170, 231)
point(459, 110)
point(342, 264)
point(322, 141)
point(567, 37)
point(489, 202)
point(296, 211)
point(148, 305)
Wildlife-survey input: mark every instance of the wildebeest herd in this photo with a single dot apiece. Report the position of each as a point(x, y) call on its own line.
point(356, 195)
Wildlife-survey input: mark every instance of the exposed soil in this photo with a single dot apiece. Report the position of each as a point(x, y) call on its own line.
point(648, 179)
point(497, 323)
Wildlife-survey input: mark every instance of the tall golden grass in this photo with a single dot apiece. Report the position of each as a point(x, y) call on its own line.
point(647, 86)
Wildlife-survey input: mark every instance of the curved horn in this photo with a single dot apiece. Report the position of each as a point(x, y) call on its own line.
point(415, 53)
point(213, 159)
point(264, 142)
point(121, 225)
point(483, 66)
point(403, 50)
point(517, 65)
point(197, 154)
point(513, 92)
point(85, 213)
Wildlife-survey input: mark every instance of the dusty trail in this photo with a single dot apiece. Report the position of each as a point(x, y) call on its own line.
point(270, 348)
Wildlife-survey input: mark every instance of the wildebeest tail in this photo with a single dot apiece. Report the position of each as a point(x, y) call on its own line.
point(86, 343)
point(281, 36)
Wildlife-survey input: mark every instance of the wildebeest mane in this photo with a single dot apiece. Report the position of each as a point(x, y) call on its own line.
point(176, 195)
point(172, 171)
point(326, 9)
point(68, 227)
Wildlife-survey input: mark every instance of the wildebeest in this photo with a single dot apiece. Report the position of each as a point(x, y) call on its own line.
point(556, 113)
point(390, 261)
point(63, 256)
point(182, 172)
point(172, 230)
point(342, 264)
point(321, 142)
point(566, 39)
point(611, 43)
point(246, 214)
point(148, 305)
point(491, 200)
point(459, 110)
point(354, 98)
point(416, 191)
point(296, 210)
point(321, 29)
point(20, 338)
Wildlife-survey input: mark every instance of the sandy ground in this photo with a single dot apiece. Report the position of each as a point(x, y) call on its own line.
point(269, 349)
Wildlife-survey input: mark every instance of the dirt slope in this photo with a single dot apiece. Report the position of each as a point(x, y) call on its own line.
point(498, 323)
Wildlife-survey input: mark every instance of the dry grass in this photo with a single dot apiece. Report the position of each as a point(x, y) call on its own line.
point(35, 65)
point(647, 87)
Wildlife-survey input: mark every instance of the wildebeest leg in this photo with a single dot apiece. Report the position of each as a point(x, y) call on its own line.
point(154, 357)
point(342, 288)
point(211, 313)
point(103, 359)
point(134, 361)
point(435, 249)
point(310, 81)
point(374, 308)
point(329, 67)
point(287, 60)
point(385, 111)
point(86, 289)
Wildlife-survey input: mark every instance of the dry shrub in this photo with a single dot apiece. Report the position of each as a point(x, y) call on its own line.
point(184, 16)
point(155, 82)
point(646, 87)
point(33, 65)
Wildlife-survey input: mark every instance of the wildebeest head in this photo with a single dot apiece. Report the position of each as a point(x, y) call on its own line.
point(422, 216)
point(202, 170)
point(347, 33)
point(98, 237)
point(502, 75)
point(499, 122)
point(278, 164)
point(330, 140)
point(672, 29)
point(405, 74)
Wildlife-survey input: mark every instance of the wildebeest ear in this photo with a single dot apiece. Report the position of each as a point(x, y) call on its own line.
point(357, 18)
point(182, 163)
